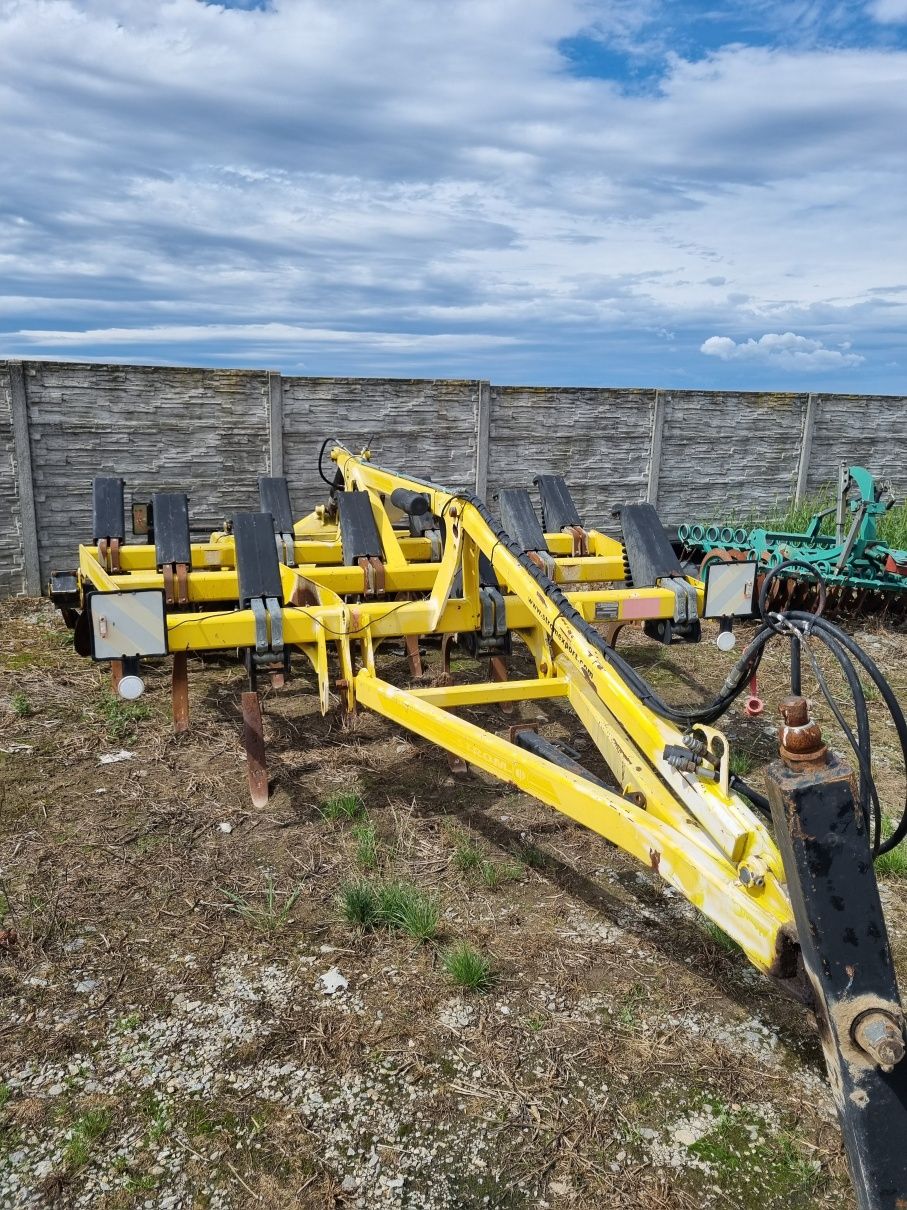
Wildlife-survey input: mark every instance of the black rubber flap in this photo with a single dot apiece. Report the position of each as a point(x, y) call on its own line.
point(558, 507)
point(648, 550)
point(358, 531)
point(256, 557)
point(274, 493)
point(518, 518)
point(108, 518)
point(170, 511)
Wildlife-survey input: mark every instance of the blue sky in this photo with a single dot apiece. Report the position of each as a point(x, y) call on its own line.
point(537, 191)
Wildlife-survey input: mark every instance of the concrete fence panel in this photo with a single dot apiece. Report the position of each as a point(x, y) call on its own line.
point(161, 428)
point(426, 426)
point(598, 440)
point(728, 454)
point(12, 566)
point(869, 430)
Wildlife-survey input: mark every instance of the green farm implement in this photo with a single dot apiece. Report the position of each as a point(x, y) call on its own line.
point(859, 570)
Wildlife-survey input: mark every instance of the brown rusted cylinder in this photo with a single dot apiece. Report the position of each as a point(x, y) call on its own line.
point(799, 736)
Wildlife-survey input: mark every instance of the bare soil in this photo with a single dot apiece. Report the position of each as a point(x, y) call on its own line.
point(171, 1038)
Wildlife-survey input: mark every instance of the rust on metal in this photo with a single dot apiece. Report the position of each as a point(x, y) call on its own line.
point(799, 736)
point(254, 743)
point(411, 642)
point(180, 692)
point(517, 728)
point(497, 666)
point(182, 584)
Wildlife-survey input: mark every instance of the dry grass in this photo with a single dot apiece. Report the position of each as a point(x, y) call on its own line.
point(207, 1020)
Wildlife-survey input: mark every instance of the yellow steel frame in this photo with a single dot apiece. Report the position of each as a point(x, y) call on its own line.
point(694, 833)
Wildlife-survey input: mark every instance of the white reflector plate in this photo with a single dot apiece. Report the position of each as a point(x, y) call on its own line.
point(729, 590)
point(127, 624)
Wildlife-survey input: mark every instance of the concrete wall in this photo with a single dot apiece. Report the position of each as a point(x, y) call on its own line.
point(424, 425)
point(204, 431)
point(728, 454)
point(12, 572)
point(599, 440)
point(212, 432)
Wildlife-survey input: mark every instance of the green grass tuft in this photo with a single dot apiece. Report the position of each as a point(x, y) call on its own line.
point(20, 704)
point(741, 763)
point(892, 864)
point(344, 804)
point(359, 904)
point(468, 968)
point(267, 910)
point(398, 906)
point(366, 837)
point(467, 856)
point(718, 936)
point(86, 1130)
point(120, 717)
point(409, 910)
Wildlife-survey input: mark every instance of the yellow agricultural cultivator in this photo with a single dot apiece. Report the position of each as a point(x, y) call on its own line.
point(389, 558)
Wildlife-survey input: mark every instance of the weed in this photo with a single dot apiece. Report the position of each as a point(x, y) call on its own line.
point(359, 904)
point(741, 763)
point(269, 910)
point(467, 855)
point(20, 704)
point(740, 1141)
point(5, 1093)
point(126, 1025)
point(536, 1022)
point(202, 1119)
point(88, 1127)
point(892, 864)
point(468, 968)
point(140, 1184)
point(399, 906)
point(628, 1013)
point(532, 856)
point(366, 838)
point(120, 717)
point(344, 804)
point(495, 874)
point(406, 908)
point(159, 1119)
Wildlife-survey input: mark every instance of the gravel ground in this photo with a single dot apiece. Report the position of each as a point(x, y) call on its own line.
point(191, 1022)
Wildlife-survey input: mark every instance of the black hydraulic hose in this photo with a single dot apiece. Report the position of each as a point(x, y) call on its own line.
point(748, 663)
point(707, 713)
point(759, 801)
point(332, 483)
point(860, 744)
point(894, 707)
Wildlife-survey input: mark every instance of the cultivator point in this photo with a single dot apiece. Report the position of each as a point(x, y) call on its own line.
point(861, 574)
point(388, 564)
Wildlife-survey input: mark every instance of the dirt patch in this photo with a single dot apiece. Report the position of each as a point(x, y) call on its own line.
point(192, 1021)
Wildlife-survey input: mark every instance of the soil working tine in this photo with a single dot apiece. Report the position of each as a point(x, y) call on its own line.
point(180, 692)
point(254, 743)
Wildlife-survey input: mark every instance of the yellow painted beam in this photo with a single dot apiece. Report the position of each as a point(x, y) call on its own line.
point(491, 692)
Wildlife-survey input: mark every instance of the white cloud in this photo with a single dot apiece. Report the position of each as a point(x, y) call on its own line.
point(402, 174)
point(785, 350)
point(889, 12)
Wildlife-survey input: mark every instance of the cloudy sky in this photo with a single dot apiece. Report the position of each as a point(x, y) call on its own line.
point(540, 191)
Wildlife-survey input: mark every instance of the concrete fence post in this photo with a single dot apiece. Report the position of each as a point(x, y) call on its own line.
point(658, 423)
point(483, 437)
point(806, 445)
point(275, 423)
point(24, 480)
